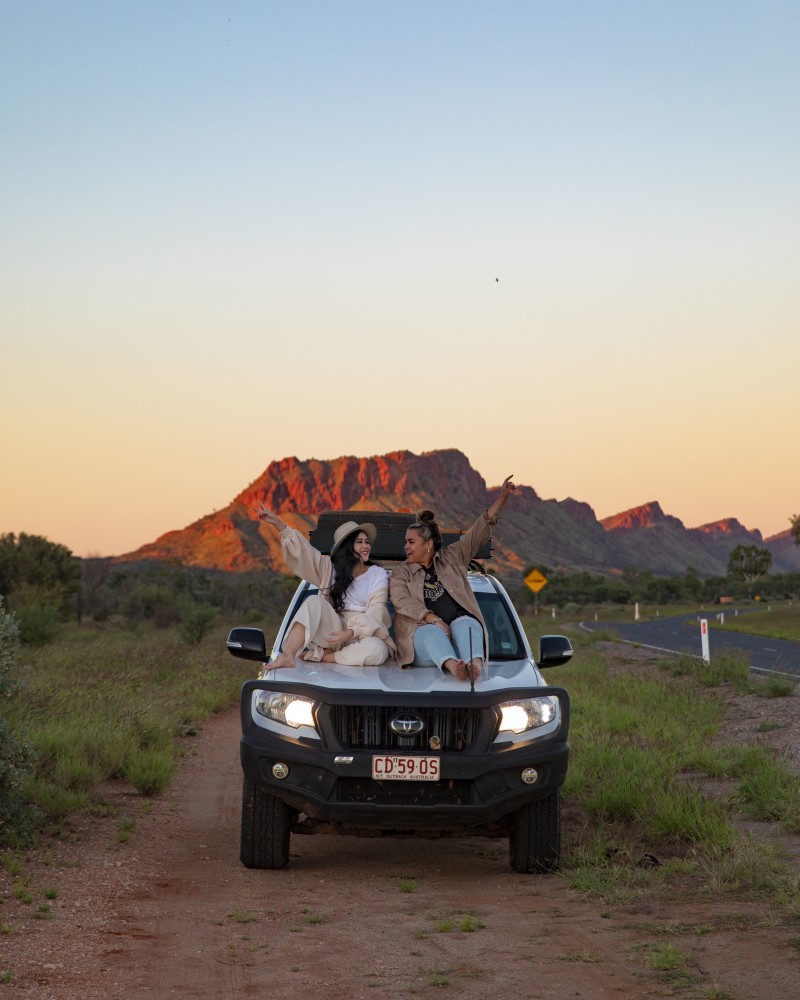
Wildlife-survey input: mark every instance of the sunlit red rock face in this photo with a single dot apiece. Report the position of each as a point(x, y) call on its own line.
point(729, 528)
point(312, 486)
point(533, 532)
point(645, 516)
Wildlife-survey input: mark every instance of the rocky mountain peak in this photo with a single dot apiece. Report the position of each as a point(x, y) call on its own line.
point(647, 515)
point(561, 534)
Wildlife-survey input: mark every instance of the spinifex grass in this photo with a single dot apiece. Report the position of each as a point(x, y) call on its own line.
point(644, 754)
point(111, 703)
point(727, 667)
point(769, 788)
point(634, 737)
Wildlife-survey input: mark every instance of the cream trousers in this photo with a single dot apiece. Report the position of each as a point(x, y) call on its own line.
point(319, 619)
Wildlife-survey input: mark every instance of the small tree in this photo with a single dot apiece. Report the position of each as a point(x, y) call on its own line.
point(40, 581)
point(795, 528)
point(16, 815)
point(196, 622)
point(749, 562)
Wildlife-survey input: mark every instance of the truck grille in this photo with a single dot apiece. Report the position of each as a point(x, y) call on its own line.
point(404, 793)
point(366, 727)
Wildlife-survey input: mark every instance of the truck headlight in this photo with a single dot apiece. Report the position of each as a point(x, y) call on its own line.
point(291, 709)
point(528, 713)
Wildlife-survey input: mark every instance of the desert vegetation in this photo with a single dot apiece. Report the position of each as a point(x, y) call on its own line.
point(116, 693)
point(658, 796)
point(105, 702)
point(573, 591)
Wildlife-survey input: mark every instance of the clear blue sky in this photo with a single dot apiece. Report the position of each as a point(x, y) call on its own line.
point(232, 232)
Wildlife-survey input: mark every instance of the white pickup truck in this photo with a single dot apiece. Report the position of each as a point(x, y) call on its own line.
point(380, 750)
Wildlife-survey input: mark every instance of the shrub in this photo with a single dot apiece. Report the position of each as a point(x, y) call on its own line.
point(196, 623)
point(38, 626)
point(150, 601)
point(16, 815)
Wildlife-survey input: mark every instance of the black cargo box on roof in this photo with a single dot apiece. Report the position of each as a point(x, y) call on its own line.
point(391, 536)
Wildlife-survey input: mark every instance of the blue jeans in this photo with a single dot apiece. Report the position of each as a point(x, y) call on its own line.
point(432, 647)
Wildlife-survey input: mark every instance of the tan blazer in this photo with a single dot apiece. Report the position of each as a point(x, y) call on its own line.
point(406, 587)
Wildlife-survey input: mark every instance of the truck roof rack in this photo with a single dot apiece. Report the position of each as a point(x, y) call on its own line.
point(392, 527)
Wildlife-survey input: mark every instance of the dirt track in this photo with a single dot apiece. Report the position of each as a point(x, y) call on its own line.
point(171, 912)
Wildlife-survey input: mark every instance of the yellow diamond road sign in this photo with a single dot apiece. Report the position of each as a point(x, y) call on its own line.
point(535, 580)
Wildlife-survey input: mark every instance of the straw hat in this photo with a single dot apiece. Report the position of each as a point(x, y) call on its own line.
point(348, 528)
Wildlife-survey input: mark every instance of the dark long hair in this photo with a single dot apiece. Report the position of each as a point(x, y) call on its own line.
point(344, 561)
point(426, 525)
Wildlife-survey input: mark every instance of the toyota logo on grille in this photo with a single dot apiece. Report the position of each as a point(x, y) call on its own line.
point(406, 724)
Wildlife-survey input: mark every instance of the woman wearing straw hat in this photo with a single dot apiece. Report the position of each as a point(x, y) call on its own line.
point(348, 621)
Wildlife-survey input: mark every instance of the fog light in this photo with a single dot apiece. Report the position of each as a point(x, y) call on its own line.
point(530, 776)
point(282, 771)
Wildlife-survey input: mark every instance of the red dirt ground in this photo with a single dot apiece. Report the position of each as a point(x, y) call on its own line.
point(172, 913)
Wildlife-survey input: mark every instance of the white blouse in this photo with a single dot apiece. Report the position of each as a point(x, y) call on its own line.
point(362, 588)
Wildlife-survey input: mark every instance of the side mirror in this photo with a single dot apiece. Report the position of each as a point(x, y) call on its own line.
point(553, 651)
point(247, 644)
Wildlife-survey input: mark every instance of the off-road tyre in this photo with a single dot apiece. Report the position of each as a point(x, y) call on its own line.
point(266, 823)
point(535, 840)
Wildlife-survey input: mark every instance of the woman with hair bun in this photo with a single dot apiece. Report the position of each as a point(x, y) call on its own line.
point(437, 620)
point(348, 621)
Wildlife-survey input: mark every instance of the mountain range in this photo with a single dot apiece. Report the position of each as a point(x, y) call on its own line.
point(562, 535)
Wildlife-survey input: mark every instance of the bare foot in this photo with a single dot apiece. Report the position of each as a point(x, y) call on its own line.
point(477, 666)
point(281, 660)
point(456, 667)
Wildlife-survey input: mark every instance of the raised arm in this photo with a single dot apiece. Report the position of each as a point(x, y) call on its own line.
point(268, 517)
point(479, 531)
point(299, 554)
point(505, 492)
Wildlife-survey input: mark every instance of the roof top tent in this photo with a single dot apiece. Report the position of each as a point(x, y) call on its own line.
point(391, 526)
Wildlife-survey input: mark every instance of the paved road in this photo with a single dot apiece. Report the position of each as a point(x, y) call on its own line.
point(681, 634)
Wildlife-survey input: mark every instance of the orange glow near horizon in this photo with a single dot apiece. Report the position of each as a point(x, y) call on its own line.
point(235, 250)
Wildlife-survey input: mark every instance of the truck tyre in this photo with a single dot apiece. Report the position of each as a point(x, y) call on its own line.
point(535, 841)
point(265, 828)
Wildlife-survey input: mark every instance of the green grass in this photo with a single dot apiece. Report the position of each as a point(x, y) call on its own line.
point(458, 920)
point(104, 703)
point(645, 757)
point(438, 979)
point(110, 703)
point(773, 622)
point(775, 687)
point(727, 667)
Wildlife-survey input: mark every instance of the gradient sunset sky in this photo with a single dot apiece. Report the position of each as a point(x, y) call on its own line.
point(237, 231)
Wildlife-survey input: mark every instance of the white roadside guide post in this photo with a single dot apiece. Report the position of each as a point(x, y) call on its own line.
point(704, 640)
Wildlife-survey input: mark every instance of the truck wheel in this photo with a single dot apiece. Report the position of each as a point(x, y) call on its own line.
point(535, 841)
point(265, 828)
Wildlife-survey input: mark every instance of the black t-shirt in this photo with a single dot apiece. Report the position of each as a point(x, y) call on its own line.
point(439, 601)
